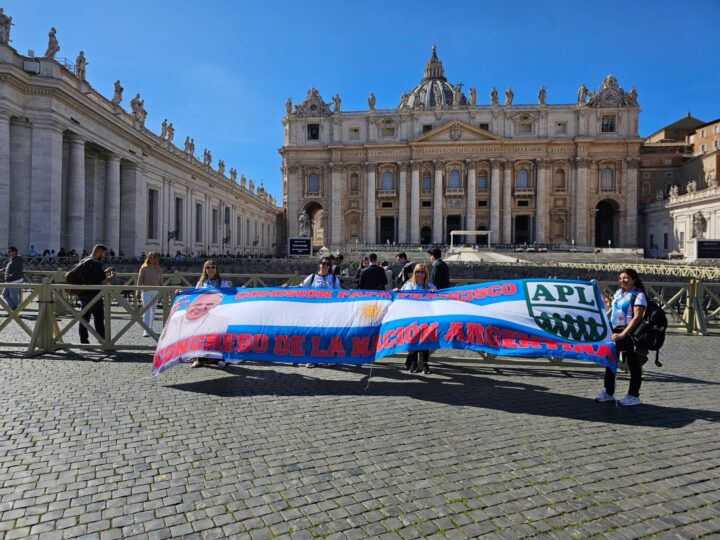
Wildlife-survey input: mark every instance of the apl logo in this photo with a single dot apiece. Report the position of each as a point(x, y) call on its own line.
point(572, 311)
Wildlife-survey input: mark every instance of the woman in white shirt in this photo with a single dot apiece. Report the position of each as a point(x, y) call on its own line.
point(419, 281)
point(322, 279)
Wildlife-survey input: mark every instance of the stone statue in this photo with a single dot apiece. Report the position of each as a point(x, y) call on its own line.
point(371, 101)
point(80, 63)
point(233, 174)
point(542, 93)
point(192, 147)
point(674, 192)
point(712, 181)
point(5, 24)
point(251, 186)
point(632, 97)
point(691, 186)
point(137, 107)
point(403, 100)
point(53, 46)
point(336, 101)
point(288, 106)
point(509, 95)
point(242, 180)
point(659, 195)
point(163, 129)
point(494, 96)
point(582, 94)
point(170, 132)
point(699, 225)
point(304, 220)
point(473, 96)
point(221, 167)
point(456, 93)
point(187, 145)
point(117, 94)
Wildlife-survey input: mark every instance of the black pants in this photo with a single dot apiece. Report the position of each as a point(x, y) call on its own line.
point(412, 359)
point(97, 311)
point(634, 364)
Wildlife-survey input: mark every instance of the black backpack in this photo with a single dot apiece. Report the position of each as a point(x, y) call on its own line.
point(76, 276)
point(649, 335)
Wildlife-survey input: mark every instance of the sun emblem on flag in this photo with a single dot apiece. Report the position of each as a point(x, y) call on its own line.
point(371, 312)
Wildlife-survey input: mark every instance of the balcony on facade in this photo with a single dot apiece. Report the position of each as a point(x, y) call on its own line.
point(455, 192)
point(386, 193)
point(526, 190)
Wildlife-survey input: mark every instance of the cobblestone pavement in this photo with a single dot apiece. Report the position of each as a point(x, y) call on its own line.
point(94, 446)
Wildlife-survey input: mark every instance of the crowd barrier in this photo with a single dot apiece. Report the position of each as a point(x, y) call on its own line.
point(48, 315)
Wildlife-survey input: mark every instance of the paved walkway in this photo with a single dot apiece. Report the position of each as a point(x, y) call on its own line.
point(95, 447)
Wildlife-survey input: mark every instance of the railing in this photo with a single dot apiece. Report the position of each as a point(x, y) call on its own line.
point(454, 192)
point(386, 193)
point(48, 312)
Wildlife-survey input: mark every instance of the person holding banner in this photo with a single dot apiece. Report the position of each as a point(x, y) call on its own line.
point(322, 279)
point(419, 281)
point(628, 308)
point(209, 279)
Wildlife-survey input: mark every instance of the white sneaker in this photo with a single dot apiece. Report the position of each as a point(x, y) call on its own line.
point(222, 364)
point(604, 396)
point(629, 401)
point(145, 334)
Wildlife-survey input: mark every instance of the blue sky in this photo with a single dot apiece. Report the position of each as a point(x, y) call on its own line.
point(221, 70)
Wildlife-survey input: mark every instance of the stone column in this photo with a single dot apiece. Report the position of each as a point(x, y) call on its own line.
point(573, 195)
point(5, 239)
point(631, 204)
point(470, 198)
point(133, 211)
point(75, 212)
point(415, 203)
point(370, 225)
point(46, 185)
point(402, 205)
point(540, 208)
point(507, 203)
point(496, 236)
point(581, 213)
point(111, 224)
point(437, 231)
point(291, 192)
point(335, 205)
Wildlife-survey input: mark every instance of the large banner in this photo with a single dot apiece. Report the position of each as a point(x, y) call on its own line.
point(525, 318)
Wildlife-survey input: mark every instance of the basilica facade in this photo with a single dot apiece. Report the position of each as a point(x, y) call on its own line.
point(78, 168)
point(440, 161)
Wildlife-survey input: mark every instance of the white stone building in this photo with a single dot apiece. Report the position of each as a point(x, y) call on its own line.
point(76, 169)
point(439, 162)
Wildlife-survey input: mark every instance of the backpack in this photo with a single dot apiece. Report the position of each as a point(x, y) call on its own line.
point(76, 275)
point(649, 335)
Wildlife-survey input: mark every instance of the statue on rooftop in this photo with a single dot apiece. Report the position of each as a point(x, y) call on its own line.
point(509, 95)
point(117, 94)
point(542, 93)
point(170, 132)
point(53, 46)
point(336, 102)
point(163, 129)
point(5, 24)
point(80, 66)
point(494, 96)
point(473, 95)
point(371, 101)
point(582, 94)
point(221, 167)
point(288, 106)
point(233, 174)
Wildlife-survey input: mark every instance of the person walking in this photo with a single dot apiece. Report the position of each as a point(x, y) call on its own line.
point(93, 273)
point(322, 279)
point(373, 277)
point(13, 274)
point(419, 281)
point(439, 271)
point(406, 268)
point(210, 279)
point(628, 307)
point(150, 275)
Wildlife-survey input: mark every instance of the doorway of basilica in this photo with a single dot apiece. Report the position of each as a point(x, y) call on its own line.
point(606, 223)
point(387, 229)
point(425, 235)
point(317, 223)
point(521, 230)
point(454, 223)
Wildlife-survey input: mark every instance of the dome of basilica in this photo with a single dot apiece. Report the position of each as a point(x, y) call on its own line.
point(433, 90)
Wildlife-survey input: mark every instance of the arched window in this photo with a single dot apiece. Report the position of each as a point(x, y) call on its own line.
point(426, 183)
point(607, 180)
point(354, 183)
point(559, 180)
point(482, 182)
point(523, 181)
point(313, 183)
point(454, 181)
point(388, 181)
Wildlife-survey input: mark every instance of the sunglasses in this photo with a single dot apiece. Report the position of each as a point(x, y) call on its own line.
point(420, 272)
point(210, 266)
point(325, 263)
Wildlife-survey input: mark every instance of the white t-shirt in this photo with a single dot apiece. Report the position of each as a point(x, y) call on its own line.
point(316, 281)
point(622, 311)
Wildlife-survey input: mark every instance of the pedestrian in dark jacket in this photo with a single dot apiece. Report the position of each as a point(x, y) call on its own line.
point(373, 277)
point(13, 274)
point(439, 271)
point(94, 274)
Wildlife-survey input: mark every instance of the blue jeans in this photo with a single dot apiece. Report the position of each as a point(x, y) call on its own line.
point(12, 297)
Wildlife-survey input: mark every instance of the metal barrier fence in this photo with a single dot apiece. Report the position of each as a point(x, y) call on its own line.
point(48, 312)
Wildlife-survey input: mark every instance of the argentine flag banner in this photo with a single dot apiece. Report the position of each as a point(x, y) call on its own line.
point(521, 318)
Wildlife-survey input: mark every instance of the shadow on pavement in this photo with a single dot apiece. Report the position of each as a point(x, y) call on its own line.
point(451, 385)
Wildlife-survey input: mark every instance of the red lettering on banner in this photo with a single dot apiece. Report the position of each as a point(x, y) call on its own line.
point(228, 342)
point(363, 346)
point(244, 342)
point(181, 347)
point(196, 343)
point(455, 332)
point(282, 347)
point(259, 343)
point(389, 339)
point(509, 339)
point(212, 342)
point(297, 346)
point(475, 333)
point(428, 332)
point(336, 347)
point(492, 336)
point(603, 351)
